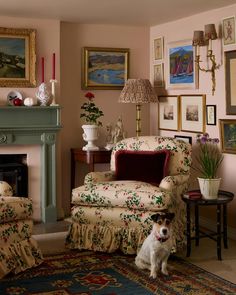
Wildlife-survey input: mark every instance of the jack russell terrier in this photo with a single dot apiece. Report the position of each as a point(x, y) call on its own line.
point(156, 248)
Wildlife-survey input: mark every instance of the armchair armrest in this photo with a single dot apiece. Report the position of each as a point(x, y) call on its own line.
point(99, 176)
point(170, 182)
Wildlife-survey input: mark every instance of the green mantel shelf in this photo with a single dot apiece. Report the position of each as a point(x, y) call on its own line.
point(35, 125)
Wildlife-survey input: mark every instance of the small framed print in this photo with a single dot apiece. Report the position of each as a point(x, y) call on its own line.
point(187, 139)
point(168, 118)
point(193, 112)
point(158, 75)
point(158, 48)
point(228, 30)
point(211, 114)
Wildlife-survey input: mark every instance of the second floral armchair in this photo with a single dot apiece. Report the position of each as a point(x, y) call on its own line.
point(113, 209)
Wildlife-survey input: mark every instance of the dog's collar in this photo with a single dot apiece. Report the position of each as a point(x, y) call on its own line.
point(161, 240)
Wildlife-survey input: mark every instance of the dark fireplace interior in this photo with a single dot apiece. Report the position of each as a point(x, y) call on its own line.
point(14, 170)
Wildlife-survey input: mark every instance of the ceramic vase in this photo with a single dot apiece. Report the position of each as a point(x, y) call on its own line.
point(43, 95)
point(90, 135)
point(209, 187)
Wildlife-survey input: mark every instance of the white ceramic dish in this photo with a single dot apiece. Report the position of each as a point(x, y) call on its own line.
point(12, 95)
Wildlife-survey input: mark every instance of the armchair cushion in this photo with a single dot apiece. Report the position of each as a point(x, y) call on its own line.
point(147, 166)
point(15, 208)
point(135, 195)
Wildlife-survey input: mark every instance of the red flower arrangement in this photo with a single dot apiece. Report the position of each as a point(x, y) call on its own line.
point(91, 111)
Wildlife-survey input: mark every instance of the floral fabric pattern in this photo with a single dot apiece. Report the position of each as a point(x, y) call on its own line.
point(124, 194)
point(14, 208)
point(18, 251)
point(108, 215)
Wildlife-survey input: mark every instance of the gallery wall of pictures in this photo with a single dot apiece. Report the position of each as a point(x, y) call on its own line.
point(183, 106)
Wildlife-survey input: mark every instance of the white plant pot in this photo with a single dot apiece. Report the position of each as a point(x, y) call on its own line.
point(209, 187)
point(90, 135)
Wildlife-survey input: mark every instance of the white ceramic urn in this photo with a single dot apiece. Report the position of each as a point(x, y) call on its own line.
point(90, 135)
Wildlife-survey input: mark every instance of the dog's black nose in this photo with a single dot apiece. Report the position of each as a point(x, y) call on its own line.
point(164, 231)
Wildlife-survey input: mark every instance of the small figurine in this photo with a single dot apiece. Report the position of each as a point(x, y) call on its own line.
point(118, 133)
point(114, 134)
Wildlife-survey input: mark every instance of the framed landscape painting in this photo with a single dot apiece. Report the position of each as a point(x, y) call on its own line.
point(181, 69)
point(168, 117)
point(17, 57)
point(104, 68)
point(228, 135)
point(193, 112)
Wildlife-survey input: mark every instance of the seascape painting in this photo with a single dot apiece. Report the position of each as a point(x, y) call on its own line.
point(106, 68)
point(12, 57)
point(181, 65)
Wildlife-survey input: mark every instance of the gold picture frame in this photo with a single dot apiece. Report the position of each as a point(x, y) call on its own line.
point(193, 112)
point(228, 135)
point(158, 48)
point(158, 73)
point(104, 68)
point(228, 31)
point(230, 82)
point(17, 57)
point(168, 112)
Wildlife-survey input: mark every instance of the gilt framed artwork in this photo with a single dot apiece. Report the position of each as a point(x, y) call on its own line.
point(17, 57)
point(193, 113)
point(228, 135)
point(230, 82)
point(228, 30)
point(181, 68)
point(158, 75)
point(168, 117)
point(104, 68)
point(158, 48)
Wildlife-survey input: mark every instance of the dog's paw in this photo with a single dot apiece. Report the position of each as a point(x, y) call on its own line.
point(153, 274)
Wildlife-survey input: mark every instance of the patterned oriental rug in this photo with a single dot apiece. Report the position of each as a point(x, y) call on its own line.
point(89, 273)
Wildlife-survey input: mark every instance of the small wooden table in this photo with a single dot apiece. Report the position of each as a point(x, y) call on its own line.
point(223, 199)
point(88, 157)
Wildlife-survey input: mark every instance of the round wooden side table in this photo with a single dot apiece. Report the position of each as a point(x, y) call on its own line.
point(223, 199)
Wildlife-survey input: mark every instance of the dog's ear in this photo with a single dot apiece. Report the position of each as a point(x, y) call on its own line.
point(170, 216)
point(155, 217)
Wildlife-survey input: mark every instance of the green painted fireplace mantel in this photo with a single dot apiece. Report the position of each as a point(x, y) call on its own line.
point(35, 125)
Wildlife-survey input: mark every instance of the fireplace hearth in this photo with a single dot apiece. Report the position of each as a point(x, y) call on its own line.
point(14, 170)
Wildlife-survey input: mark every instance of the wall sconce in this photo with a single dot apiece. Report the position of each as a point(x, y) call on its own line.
point(201, 39)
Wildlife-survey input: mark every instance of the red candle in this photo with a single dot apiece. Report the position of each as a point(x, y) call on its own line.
point(42, 69)
point(53, 66)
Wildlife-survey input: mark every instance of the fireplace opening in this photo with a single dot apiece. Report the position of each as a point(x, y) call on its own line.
point(14, 170)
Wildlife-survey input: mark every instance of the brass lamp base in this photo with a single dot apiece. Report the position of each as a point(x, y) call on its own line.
point(138, 120)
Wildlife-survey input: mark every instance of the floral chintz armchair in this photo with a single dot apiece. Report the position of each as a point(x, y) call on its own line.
point(111, 213)
point(18, 250)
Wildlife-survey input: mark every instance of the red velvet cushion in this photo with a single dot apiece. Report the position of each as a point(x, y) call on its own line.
point(147, 166)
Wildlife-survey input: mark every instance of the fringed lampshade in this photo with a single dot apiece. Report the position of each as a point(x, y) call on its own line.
point(138, 91)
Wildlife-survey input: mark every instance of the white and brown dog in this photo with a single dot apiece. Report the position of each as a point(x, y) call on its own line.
point(156, 248)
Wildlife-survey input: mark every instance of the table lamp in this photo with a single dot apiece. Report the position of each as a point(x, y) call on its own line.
point(138, 91)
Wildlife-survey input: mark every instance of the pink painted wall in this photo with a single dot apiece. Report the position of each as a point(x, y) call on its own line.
point(183, 30)
point(73, 38)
